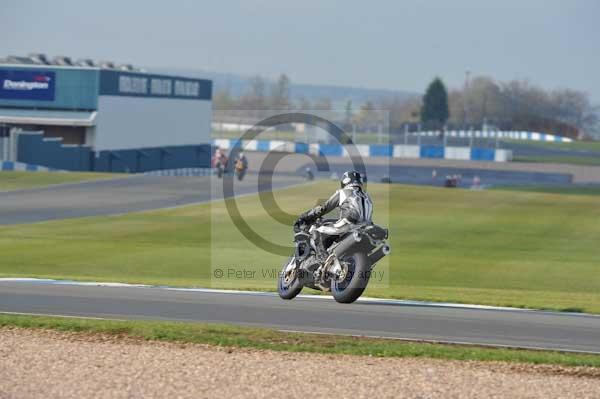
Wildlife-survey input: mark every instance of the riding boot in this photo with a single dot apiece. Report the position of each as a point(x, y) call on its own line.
point(319, 243)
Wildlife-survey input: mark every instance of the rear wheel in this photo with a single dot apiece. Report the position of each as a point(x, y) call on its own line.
point(354, 279)
point(288, 283)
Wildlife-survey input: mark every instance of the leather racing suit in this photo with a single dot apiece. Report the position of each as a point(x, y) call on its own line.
point(355, 206)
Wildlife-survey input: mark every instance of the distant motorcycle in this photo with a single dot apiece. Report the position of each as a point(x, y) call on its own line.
point(345, 271)
point(309, 175)
point(220, 169)
point(219, 162)
point(240, 169)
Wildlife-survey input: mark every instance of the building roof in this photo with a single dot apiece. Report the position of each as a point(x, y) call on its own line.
point(47, 117)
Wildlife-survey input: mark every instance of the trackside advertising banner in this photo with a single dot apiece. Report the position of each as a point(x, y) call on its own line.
point(27, 85)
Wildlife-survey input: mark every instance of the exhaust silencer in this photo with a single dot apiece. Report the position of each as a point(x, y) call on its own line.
point(380, 253)
point(352, 243)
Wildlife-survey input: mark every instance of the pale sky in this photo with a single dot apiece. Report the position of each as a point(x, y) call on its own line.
point(380, 44)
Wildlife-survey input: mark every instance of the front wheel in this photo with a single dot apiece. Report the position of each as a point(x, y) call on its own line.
point(288, 283)
point(240, 174)
point(356, 277)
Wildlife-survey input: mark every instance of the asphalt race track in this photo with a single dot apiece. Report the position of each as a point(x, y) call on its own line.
point(140, 193)
point(114, 196)
point(393, 319)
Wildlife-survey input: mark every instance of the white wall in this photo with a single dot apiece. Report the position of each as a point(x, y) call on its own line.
point(361, 149)
point(407, 151)
point(463, 153)
point(503, 155)
point(135, 122)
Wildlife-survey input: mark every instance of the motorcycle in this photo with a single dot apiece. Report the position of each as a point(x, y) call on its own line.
point(309, 175)
point(220, 168)
point(240, 170)
point(344, 271)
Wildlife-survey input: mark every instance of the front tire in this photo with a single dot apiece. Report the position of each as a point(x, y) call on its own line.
point(289, 285)
point(355, 282)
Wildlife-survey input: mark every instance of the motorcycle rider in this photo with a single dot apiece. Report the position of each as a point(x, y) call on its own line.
point(308, 174)
point(219, 161)
point(241, 165)
point(355, 207)
point(241, 162)
point(219, 157)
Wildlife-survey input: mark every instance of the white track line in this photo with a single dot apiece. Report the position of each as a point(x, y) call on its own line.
point(384, 301)
point(415, 340)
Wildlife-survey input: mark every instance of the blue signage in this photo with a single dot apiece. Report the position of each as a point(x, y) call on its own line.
point(27, 85)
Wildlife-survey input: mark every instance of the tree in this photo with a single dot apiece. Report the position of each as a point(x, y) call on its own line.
point(303, 104)
point(477, 102)
point(348, 113)
point(400, 110)
point(574, 108)
point(280, 94)
point(458, 108)
point(369, 118)
point(254, 99)
point(435, 104)
point(223, 100)
point(323, 104)
point(365, 116)
point(410, 111)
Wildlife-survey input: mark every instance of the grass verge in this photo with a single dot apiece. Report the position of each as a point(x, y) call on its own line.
point(591, 146)
point(568, 190)
point(563, 159)
point(14, 180)
point(258, 338)
point(493, 247)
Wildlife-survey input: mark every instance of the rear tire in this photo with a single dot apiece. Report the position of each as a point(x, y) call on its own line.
point(288, 288)
point(357, 278)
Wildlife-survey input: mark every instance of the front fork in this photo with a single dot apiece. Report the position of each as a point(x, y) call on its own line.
point(289, 273)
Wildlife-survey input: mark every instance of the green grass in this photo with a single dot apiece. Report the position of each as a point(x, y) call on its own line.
point(569, 190)
point(506, 248)
point(566, 159)
point(12, 180)
point(572, 146)
point(361, 137)
point(244, 337)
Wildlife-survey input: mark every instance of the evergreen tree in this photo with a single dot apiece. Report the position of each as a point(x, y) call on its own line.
point(435, 104)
